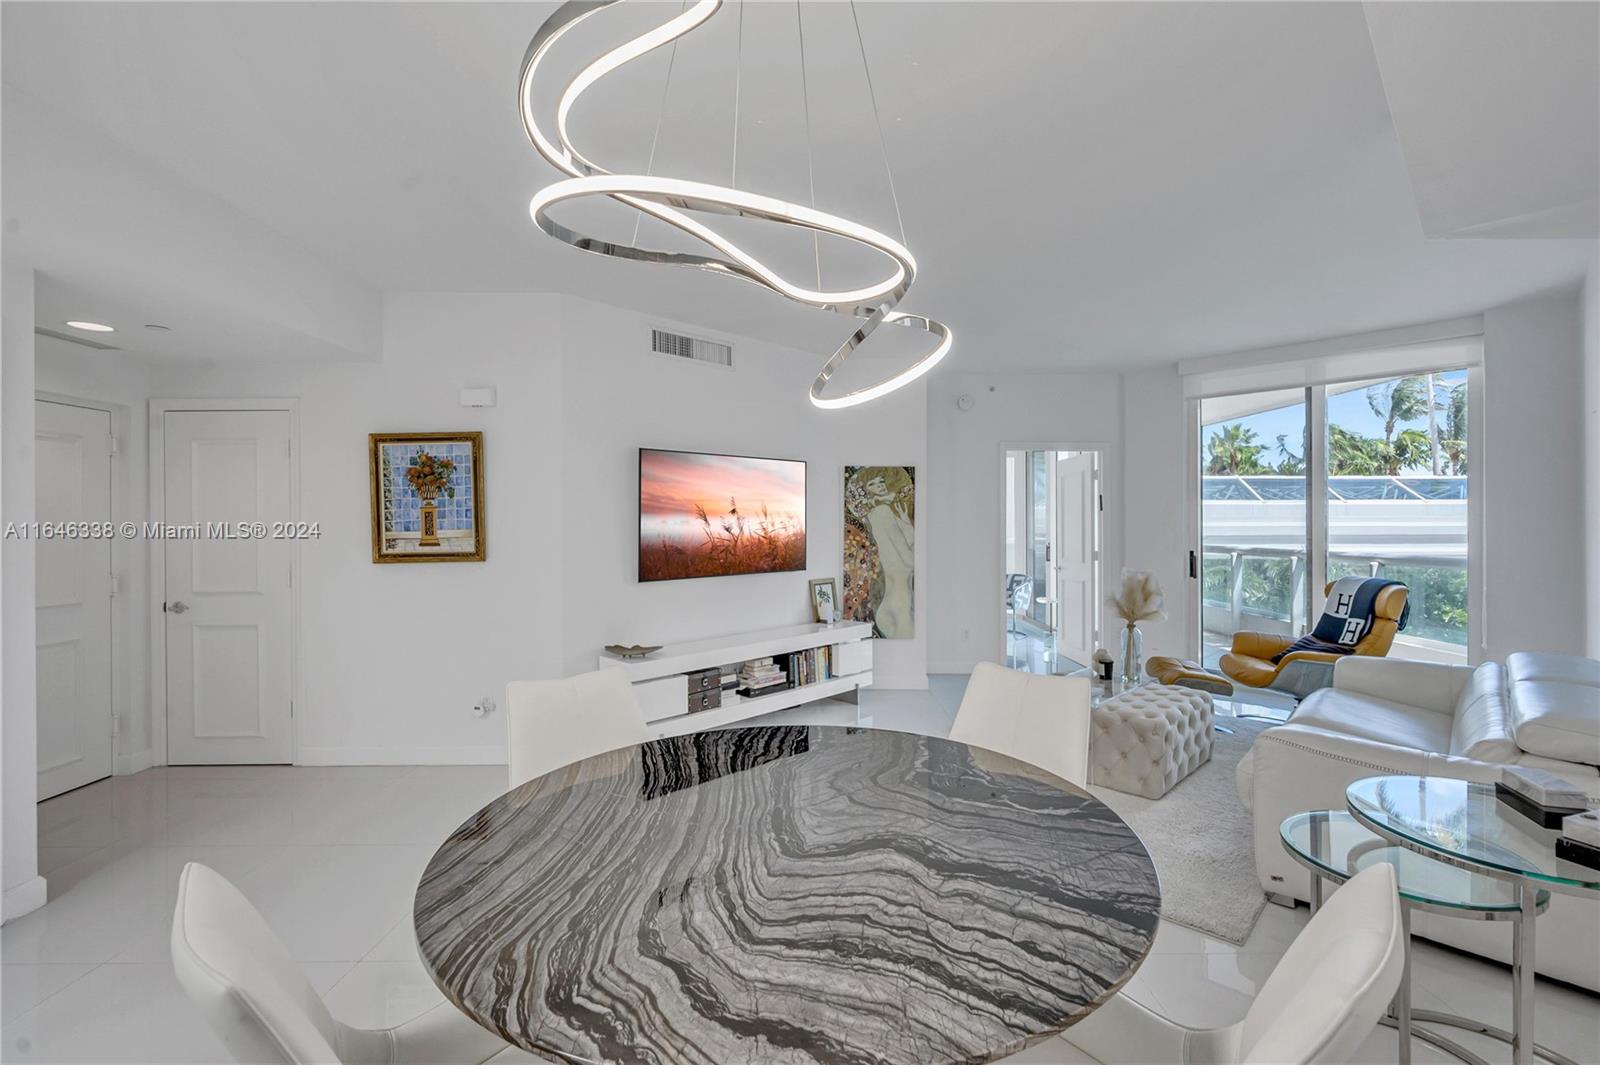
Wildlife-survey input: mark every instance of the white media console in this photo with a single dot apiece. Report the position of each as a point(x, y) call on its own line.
point(661, 681)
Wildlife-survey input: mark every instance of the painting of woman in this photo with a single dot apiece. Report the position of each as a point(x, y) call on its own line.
point(880, 548)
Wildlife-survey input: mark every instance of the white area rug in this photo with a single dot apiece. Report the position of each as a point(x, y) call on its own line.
point(1200, 837)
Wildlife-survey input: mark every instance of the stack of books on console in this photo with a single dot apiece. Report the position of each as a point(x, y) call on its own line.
point(761, 676)
point(811, 666)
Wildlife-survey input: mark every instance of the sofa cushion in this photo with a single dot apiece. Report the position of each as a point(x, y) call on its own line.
point(1482, 727)
point(1555, 705)
point(1375, 719)
point(1567, 669)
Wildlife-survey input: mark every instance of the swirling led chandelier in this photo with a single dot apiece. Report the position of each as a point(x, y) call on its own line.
point(666, 199)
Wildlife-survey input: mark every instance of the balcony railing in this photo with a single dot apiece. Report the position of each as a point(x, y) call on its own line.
point(1262, 589)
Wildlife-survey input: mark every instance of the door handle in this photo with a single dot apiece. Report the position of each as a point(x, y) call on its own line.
point(178, 606)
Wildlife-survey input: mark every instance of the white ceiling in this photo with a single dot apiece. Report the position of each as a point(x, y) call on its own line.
point(1083, 184)
point(1459, 80)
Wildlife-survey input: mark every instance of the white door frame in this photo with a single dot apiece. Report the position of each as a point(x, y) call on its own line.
point(124, 553)
point(1110, 518)
point(158, 557)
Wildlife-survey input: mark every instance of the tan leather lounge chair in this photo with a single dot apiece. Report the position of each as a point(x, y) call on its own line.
point(1298, 674)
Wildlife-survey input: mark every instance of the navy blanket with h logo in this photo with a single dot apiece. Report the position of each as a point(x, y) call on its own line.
point(1346, 617)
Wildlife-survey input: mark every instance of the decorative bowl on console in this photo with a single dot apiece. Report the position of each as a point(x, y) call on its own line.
point(637, 650)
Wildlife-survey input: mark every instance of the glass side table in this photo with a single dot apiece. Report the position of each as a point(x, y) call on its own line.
point(1461, 823)
point(1334, 846)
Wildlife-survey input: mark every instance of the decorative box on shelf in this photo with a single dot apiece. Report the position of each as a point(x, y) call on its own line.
point(683, 687)
point(1541, 797)
point(1580, 839)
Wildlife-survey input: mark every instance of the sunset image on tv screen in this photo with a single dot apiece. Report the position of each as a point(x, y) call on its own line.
point(719, 515)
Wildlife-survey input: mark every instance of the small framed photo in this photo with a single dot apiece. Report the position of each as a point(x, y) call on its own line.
point(427, 497)
point(824, 600)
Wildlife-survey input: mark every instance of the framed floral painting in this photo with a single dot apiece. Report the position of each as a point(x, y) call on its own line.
point(427, 497)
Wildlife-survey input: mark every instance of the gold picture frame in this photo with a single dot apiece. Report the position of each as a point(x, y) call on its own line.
point(425, 507)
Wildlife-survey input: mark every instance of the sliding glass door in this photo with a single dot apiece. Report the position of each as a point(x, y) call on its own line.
point(1397, 499)
point(1384, 493)
point(1253, 492)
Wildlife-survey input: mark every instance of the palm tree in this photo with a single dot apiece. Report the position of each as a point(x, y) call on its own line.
point(1353, 455)
point(1233, 450)
point(1455, 429)
point(1404, 399)
point(1411, 450)
point(1289, 463)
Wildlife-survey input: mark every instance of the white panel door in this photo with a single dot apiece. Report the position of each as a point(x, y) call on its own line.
point(72, 449)
point(1076, 596)
point(227, 595)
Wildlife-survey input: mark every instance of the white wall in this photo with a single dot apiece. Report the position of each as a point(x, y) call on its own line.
point(618, 397)
point(1591, 452)
point(18, 725)
point(1157, 487)
point(1532, 433)
point(966, 490)
point(394, 656)
point(578, 394)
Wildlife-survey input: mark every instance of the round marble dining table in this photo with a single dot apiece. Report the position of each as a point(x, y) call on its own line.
point(787, 894)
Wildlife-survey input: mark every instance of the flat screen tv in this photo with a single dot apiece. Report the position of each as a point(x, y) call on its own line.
point(706, 515)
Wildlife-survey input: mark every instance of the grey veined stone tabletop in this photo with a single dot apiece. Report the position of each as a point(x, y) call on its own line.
point(787, 894)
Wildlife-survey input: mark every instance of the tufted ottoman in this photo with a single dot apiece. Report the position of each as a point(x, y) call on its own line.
point(1145, 740)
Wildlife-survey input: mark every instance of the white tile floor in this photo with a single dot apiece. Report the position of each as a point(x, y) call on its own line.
point(331, 855)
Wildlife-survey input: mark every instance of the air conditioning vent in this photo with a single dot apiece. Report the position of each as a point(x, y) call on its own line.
point(70, 339)
point(687, 347)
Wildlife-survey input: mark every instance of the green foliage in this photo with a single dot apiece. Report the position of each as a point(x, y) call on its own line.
point(1289, 464)
point(1438, 596)
point(1216, 576)
point(1353, 455)
point(1267, 586)
point(1454, 441)
point(1411, 450)
point(1232, 449)
point(1404, 399)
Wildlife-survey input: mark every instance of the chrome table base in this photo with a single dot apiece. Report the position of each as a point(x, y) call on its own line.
point(1404, 1019)
point(1456, 1050)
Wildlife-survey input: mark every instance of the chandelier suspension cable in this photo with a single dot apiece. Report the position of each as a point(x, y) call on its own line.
point(811, 173)
point(738, 79)
point(661, 113)
point(883, 149)
point(678, 202)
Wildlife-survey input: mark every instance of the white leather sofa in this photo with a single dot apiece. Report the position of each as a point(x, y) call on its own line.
point(1385, 715)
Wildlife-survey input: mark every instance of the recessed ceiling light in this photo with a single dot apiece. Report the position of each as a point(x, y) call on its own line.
point(92, 327)
point(158, 328)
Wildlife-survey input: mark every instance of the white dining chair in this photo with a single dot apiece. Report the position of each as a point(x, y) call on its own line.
point(552, 723)
point(1041, 720)
point(1327, 993)
point(258, 1001)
